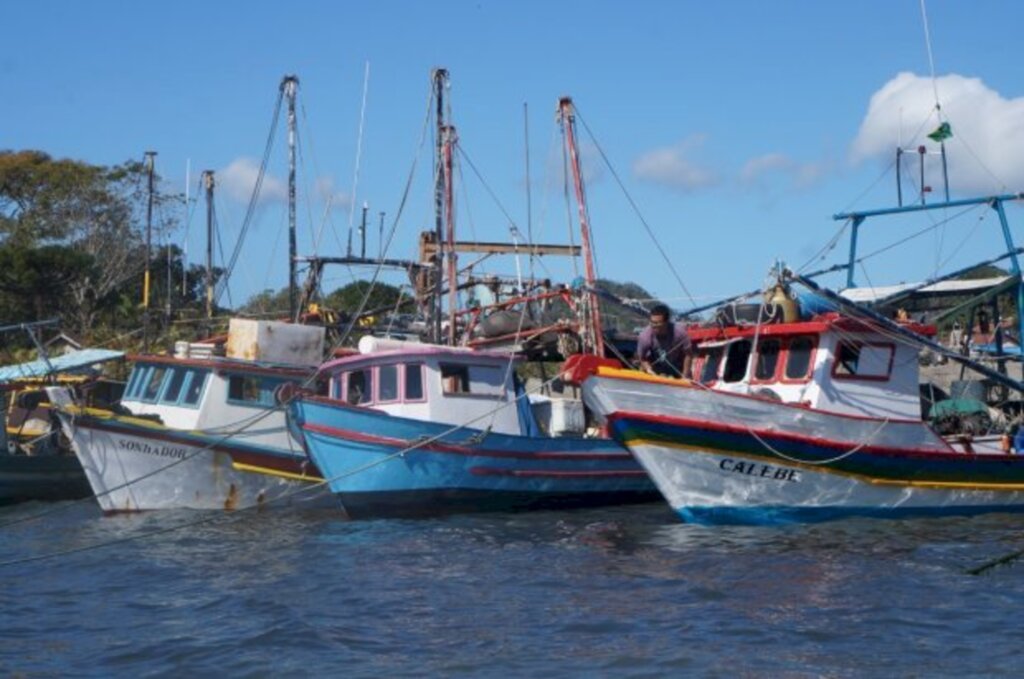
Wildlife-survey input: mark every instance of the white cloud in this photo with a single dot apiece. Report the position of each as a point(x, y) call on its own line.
point(761, 170)
point(239, 178)
point(672, 166)
point(325, 190)
point(988, 130)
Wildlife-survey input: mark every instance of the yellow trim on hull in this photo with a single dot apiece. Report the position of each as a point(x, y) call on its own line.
point(242, 467)
point(860, 477)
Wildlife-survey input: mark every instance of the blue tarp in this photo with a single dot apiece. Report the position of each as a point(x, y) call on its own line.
point(75, 361)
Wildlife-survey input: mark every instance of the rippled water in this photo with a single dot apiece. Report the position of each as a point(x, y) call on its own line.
point(628, 591)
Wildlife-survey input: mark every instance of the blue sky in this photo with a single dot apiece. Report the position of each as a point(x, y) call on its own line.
point(737, 128)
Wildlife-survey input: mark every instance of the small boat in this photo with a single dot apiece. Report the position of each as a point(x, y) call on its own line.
point(190, 426)
point(414, 429)
point(36, 463)
point(807, 418)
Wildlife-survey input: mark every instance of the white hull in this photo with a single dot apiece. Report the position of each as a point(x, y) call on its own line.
point(705, 485)
point(722, 457)
point(130, 472)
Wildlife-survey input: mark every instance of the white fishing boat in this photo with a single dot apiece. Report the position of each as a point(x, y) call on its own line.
point(805, 419)
point(190, 425)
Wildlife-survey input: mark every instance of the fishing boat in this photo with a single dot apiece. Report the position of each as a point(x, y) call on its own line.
point(36, 462)
point(411, 429)
point(191, 424)
point(813, 416)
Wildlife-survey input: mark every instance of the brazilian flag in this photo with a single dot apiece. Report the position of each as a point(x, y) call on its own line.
point(941, 133)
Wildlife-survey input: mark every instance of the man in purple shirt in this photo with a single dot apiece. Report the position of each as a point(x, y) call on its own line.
point(663, 348)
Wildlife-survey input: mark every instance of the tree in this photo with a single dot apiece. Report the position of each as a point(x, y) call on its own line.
point(349, 297)
point(99, 212)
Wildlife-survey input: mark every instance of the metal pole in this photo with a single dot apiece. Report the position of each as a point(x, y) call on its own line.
point(450, 139)
point(150, 157)
point(208, 184)
point(440, 80)
point(380, 236)
point(945, 170)
point(362, 232)
point(899, 183)
point(289, 86)
point(921, 152)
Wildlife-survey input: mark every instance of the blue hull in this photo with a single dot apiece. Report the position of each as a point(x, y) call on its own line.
point(359, 452)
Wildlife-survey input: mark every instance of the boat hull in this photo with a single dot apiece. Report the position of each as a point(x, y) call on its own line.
point(46, 478)
point(449, 469)
point(726, 458)
point(133, 465)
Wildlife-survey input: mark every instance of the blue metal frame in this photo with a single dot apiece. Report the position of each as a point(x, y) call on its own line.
point(995, 202)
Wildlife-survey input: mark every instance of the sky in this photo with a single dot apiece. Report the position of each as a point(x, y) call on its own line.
point(716, 137)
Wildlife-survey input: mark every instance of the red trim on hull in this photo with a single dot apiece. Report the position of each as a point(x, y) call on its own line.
point(537, 473)
point(799, 438)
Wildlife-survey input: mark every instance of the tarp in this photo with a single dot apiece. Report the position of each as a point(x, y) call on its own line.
point(942, 288)
point(72, 362)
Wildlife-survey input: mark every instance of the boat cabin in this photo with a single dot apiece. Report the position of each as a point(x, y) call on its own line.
point(830, 362)
point(451, 385)
point(197, 389)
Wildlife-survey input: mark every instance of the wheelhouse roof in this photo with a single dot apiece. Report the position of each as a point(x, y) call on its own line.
point(815, 326)
point(224, 365)
point(407, 354)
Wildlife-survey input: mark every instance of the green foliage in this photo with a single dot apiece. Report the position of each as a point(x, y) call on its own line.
point(73, 243)
point(349, 297)
point(267, 303)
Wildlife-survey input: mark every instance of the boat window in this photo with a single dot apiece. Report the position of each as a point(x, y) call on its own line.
point(866, 362)
point(736, 361)
point(414, 382)
point(767, 359)
point(252, 390)
point(173, 390)
point(863, 361)
point(153, 382)
point(387, 383)
point(358, 387)
point(711, 362)
point(479, 380)
point(455, 379)
point(798, 357)
point(134, 381)
point(194, 389)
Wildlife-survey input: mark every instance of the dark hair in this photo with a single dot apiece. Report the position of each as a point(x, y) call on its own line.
point(660, 309)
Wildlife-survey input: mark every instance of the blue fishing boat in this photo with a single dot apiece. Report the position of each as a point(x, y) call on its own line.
point(410, 429)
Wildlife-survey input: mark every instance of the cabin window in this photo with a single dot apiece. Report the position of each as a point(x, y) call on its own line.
point(184, 386)
point(414, 382)
point(798, 358)
point(358, 387)
point(173, 390)
point(736, 361)
point(455, 379)
point(153, 382)
point(478, 380)
point(135, 381)
point(710, 362)
point(768, 351)
point(863, 361)
point(387, 383)
point(252, 390)
point(194, 387)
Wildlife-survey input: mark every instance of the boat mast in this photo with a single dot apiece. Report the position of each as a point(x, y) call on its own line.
point(568, 120)
point(150, 161)
point(450, 139)
point(440, 82)
point(289, 85)
point(208, 185)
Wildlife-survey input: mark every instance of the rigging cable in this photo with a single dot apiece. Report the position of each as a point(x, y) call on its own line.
point(254, 198)
point(636, 209)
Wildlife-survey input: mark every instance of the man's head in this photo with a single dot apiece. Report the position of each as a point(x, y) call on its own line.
point(659, 315)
